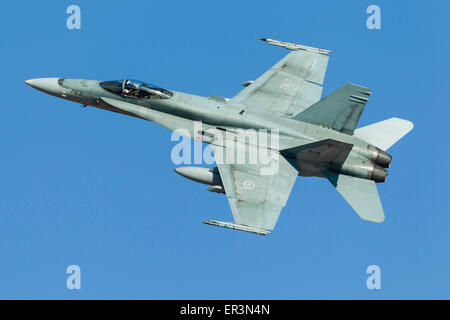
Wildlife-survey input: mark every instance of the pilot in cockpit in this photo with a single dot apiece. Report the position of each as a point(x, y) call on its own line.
point(138, 89)
point(131, 89)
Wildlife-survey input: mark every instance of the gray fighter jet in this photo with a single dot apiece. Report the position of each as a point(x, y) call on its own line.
point(315, 137)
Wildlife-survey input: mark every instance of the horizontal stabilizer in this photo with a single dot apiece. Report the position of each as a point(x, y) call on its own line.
point(235, 226)
point(384, 134)
point(361, 195)
point(340, 110)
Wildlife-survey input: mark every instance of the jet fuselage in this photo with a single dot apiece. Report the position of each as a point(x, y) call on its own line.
point(363, 161)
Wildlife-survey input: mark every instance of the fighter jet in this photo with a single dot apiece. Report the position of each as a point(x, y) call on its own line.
point(315, 137)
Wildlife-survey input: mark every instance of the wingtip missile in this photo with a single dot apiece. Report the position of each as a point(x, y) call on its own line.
point(235, 226)
point(294, 46)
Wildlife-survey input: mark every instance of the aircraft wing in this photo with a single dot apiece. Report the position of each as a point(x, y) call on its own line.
point(290, 86)
point(256, 193)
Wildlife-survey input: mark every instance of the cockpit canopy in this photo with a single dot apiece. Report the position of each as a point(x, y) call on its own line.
point(136, 89)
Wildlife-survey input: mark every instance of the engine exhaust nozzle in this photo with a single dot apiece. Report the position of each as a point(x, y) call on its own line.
point(379, 174)
point(383, 159)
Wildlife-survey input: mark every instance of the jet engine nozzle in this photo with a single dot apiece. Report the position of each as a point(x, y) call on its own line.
point(209, 176)
point(383, 159)
point(379, 174)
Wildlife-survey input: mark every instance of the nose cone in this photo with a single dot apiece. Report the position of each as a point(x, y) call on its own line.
point(47, 85)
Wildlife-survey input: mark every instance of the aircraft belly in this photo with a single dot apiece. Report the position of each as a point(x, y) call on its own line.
point(116, 110)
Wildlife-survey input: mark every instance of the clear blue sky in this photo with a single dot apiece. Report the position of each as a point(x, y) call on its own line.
point(96, 189)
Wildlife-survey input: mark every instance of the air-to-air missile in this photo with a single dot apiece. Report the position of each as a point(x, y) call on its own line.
point(294, 46)
point(234, 226)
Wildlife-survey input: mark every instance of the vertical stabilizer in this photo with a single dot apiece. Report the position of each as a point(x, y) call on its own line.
point(340, 110)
